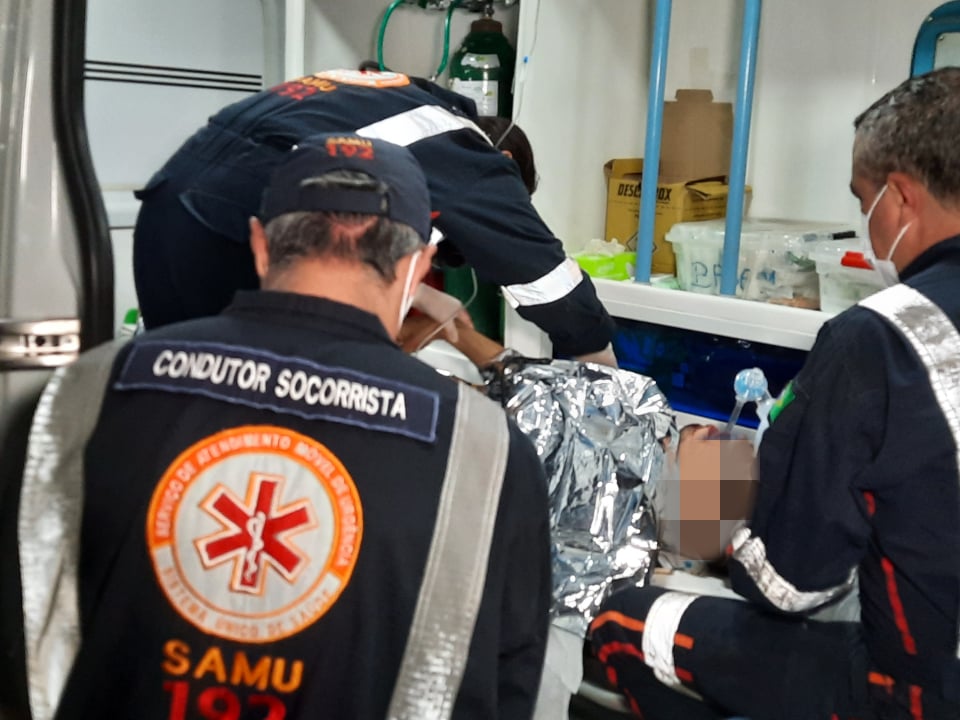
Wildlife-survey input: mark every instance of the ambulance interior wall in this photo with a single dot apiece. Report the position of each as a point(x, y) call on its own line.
point(135, 121)
point(173, 60)
point(583, 96)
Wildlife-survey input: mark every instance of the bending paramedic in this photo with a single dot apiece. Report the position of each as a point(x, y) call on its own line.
point(190, 249)
point(277, 513)
point(858, 482)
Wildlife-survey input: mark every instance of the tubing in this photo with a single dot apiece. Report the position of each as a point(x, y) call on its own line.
point(446, 34)
point(383, 30)
point(446, 37)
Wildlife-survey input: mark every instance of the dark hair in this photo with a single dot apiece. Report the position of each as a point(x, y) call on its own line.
point(369, 239)
point(912, 129)
point(507, 136)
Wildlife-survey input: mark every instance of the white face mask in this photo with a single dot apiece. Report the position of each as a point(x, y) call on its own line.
point(885, 268)
point(406, 299)
point(406, 302)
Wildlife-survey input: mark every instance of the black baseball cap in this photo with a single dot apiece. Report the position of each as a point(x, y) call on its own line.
point(400, 192)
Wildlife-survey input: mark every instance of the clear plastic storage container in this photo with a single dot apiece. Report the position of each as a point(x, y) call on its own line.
point(845, 276)
point(776, 258)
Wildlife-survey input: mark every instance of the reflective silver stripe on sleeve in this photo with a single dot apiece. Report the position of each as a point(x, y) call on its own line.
point(49, 522)
point(423, 122)
point(556, 284)
point(446, 612)
point(935, 339)
point(659, 629)
point(751, 553)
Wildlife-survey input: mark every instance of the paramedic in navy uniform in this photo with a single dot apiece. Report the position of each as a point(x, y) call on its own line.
point(283, 515)
point(858, 479)
point(190, 241)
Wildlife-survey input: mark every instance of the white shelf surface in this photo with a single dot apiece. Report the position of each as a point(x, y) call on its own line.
point(741, 319)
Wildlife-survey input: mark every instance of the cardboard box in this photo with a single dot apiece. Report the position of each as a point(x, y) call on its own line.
point(702, 199)
point(696, 139)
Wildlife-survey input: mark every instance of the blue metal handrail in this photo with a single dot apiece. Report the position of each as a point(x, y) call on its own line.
point(651, 158)
point(743, 110)
point(741, 142)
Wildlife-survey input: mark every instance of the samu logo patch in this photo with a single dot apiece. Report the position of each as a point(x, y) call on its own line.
point(254, 533)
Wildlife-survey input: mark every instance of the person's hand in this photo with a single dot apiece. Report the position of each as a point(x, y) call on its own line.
point(443, 309)
point(705, 455)
point(601, 357)
point(417, 330)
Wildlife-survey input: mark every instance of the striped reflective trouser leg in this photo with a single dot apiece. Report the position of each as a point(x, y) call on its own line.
point(446, 611)
point(49, 522)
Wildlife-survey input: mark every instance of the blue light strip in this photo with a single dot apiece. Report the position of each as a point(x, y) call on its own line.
point(651, 160)
point(741, 142)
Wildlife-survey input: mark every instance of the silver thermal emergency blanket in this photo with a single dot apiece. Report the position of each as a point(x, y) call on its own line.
point(602, 435)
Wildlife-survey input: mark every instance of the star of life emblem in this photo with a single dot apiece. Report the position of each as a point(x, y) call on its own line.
point(254, 532)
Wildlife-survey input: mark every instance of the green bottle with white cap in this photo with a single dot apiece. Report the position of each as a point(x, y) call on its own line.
point(482, 68)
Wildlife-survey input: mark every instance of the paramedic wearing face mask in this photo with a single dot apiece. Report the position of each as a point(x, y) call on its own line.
point(190, 251)
point(280, 514)
point(858, 482)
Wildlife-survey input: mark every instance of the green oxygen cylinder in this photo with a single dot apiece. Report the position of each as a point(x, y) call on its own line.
point(482, 68)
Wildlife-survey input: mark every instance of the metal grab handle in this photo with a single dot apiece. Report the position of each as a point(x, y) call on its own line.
point(35, 344)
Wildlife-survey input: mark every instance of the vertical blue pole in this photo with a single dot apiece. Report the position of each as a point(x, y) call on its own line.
point(651, 160)
point(741, 141)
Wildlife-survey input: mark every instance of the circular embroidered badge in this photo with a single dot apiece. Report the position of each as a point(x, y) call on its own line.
point(254, 532)
point(365, 78)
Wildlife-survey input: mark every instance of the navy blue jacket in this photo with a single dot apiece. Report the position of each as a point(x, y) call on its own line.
point(858, 475)
point(143, 654)
point(479, 200)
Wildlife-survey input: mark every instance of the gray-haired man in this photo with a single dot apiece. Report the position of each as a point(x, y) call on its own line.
point(283, 515)
point(859, 478)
